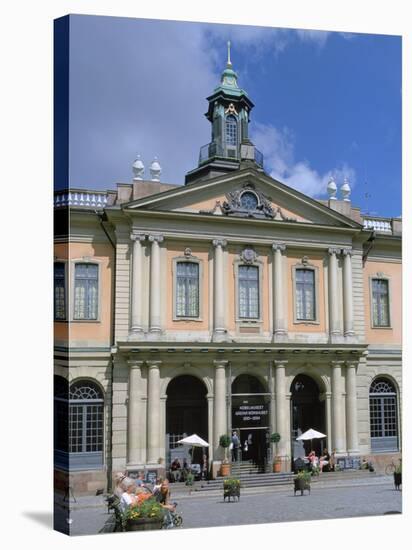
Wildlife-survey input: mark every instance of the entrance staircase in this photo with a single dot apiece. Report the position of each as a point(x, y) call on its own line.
point(250, 475)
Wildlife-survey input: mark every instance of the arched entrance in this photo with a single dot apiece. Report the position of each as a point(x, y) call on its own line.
point(308, 411)
point(250, 418)
point(186, 414)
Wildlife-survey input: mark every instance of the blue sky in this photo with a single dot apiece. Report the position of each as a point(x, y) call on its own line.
point(325, 103)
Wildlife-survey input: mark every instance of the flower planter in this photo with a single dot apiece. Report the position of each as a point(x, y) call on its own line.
point(231, 492)
point(301, 485)
point(277, 466)
point(144, 524)
point(225, 470)
point(397, 479)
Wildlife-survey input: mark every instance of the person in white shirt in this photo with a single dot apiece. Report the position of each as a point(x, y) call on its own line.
point(128, 498)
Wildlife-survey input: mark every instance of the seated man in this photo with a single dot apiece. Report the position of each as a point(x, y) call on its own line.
point(175, 470)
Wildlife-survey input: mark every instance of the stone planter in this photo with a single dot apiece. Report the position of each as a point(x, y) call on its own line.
point(301, 485)
point(397, 479)
point(144, 524)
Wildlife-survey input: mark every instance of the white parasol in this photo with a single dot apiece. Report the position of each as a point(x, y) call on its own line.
point(194, 440)
point(309, 435)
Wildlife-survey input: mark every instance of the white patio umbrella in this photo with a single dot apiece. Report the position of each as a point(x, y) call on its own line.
point(194, 440)
point(309, 435)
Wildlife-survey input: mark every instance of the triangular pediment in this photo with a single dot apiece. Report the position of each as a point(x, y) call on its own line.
point(225, 196)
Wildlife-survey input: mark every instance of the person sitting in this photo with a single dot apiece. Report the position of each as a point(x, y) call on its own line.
point(324, 461)
point(157, 485)
point(128, 498)
point(175, 470)
point(163, 497)
point(332, 461)
point(140, 479)
point(118, 490)
point(313, 460)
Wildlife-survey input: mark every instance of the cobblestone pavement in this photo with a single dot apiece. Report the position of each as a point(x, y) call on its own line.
point(209, 510)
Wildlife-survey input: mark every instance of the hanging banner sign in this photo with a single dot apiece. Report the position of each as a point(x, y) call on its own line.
point(250, 412)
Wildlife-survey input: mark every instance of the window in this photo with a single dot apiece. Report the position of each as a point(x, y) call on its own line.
point(187, 289)
point(85, 425)
point(383, 416)
point(380, 302)
point(85, 291)
point(305, 295)
point(231, 130)
point(59, 291)
point(248, 276)
point(249, 201)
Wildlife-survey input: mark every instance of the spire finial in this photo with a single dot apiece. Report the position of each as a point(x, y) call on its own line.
point(229, 63)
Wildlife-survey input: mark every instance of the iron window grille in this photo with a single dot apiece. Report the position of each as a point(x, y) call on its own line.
point(305, 295)
point(383, 416)
point(187, 289)
point(59, 291)
point(248, 276)
point(380, 302)
point(86, 280)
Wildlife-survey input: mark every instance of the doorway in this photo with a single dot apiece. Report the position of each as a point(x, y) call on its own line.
point(186, 414)
point(308, 411)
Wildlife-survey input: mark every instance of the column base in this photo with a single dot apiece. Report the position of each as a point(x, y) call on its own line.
point(154, 334)
point(280, 336)
point(136, 334)
point(219, 336)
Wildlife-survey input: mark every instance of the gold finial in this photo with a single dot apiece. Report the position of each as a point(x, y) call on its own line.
point(229, 63)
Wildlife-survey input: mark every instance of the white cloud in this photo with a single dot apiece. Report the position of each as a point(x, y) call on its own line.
point(278, 149)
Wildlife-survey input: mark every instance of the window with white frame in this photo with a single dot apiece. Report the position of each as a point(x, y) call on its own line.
point(231, 130)
point(248, 292)
point(59, 291)
point(187, 289)
point(305, 295)
point(86, 291)
point(85, 425)
point(380, 302)
point(383, 415)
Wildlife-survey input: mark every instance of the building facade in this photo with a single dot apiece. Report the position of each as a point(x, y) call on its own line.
point(230, 302)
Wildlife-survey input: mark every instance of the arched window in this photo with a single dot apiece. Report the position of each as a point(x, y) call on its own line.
point(383, 416)
point(231, 130)
point(85, 425)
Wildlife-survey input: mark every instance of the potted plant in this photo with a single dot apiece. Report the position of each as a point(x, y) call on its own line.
point(397, 476)
point(302, 482)
point(224, 442)
point(147, 515)
point(231, 488)
point(277, 462)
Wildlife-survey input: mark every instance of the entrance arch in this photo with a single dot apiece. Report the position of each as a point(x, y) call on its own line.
point(308, 411)
point(186, 414)
point(251, 419)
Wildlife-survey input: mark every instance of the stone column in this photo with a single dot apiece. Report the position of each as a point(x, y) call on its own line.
point(219, 409)
point(136, 289)
point(219, 286)
point(133, 412)
point(347, 293)
point(337, 408)
point(328, 413)
point(279, 292)
point(333, 292)
point(155, 283)
point(351, 410)
point(153, 411)
point(281, 406)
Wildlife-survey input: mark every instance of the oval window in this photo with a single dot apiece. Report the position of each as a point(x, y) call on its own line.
point(249, 201)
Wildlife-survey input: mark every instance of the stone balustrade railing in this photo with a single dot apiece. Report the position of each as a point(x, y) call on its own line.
point(77, 197)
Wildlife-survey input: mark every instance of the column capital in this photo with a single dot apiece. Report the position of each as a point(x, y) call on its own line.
point(280, 362)
point(153, 364)
point(333, 250)
point(220, 362)
point(134, 236)
point(278, 246)
point(156, 238)
point(347, 252)
point(219, 242)
point(351, 364)
point(337, 363)
point(135, 363)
